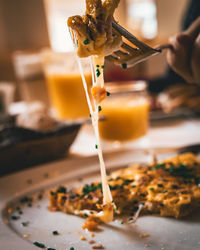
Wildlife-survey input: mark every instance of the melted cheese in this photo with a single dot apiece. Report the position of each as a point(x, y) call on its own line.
point(98, 81)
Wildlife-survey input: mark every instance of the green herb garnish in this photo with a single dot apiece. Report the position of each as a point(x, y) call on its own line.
point(86, 41)
point(25, 224)
point(72, 196)
point(115, 187)
point(165, 191)
point(99, 108)
point(124, 65)
point(71, 248)
point(14, 217)
point(89, 188)
point(85, 215)
point(181, 170)
point(97, 65)
point(55, 233)
point(61, 189)
point(98, 73)
point(49, 248)
point(157, 166)
point(133, 186)
point(151, 189)
point(108, 93)
point(102, 66)
point(127, 181)
point(38, 244)
point(96, 146)
point(160, 185)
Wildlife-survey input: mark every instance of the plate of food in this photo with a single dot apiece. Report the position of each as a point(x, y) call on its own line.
point(56, 206)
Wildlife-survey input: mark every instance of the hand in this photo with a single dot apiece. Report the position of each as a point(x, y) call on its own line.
point(184, 57)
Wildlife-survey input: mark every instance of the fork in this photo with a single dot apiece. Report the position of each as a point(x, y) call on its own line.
point(129, 56)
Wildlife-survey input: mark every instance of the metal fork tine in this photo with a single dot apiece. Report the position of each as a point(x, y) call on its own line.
point(130, 37)
point(128, 48)
point(121, 54)
point(132, 55)
point(112, 59)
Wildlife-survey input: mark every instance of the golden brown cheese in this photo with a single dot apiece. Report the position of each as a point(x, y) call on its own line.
point(169, 188)
point(93, 30)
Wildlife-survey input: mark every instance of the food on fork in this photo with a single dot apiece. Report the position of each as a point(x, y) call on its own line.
point(168, 188)
point(93, 30)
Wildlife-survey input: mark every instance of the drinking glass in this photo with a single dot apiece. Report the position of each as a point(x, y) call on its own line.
point(66, 92)
point(126, 112)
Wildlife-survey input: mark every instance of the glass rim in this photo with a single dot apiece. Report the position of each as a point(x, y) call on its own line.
point(126, 86)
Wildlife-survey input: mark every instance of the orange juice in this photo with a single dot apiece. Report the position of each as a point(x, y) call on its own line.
point(126, 118)
point(67, 95)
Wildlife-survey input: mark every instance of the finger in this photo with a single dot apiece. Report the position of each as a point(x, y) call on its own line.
point(195, 62)
point(178, 58)
point(194, 29)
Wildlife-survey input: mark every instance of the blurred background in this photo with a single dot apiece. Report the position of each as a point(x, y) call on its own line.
point(41, 91)
point(26, 27)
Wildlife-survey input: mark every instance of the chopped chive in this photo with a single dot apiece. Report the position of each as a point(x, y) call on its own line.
point(49, 248)
point(127, 181)
point(61, 189)
point(14, 217)
point(64, 198)
point(90, 115)
point(108, 93)
point(131, 218)
point(38, 244)
point(55, 233)
point(71, 248)
point(102, 66)
point(151, 189)
point(98, 73)
point(165, 191)
point(157, 166)
point(85, 215)
point(124, 65)
point(99, 108)
point(86, 41)
point(160, 185)
point(97, 65)
point(96, 146)
point(133, 186)
point(25, 224)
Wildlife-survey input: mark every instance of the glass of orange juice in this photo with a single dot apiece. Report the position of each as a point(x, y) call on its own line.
point(66, 92)
point(126, 112)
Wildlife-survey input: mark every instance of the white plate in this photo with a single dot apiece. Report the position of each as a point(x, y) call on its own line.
point(164, 233)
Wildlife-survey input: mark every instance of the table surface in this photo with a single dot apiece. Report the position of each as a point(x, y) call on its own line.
point(165, 134)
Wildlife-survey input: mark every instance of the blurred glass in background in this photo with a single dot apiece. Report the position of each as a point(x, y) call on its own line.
point(64, 84)
point(142, 18)
point(126, 112)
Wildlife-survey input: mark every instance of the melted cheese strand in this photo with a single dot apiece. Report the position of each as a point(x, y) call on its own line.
point(107, 197)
